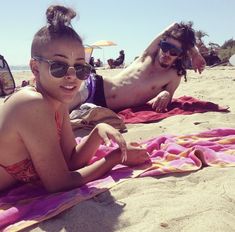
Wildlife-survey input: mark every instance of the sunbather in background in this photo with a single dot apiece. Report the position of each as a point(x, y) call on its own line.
point(152, 78)
point(117, 62)
point(36, 138)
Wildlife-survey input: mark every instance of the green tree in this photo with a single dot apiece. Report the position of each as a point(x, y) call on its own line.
point(199, 35)
point(227, 49)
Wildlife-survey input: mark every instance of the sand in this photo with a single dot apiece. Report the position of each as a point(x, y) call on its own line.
point(197, 201)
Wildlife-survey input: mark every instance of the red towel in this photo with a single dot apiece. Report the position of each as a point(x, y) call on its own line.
point(180, 106)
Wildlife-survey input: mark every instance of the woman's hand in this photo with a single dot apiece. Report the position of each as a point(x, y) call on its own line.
point(107, 133)
point(136, 154)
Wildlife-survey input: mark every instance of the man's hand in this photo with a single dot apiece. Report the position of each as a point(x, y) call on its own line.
point(198, 62)
point(161, 101)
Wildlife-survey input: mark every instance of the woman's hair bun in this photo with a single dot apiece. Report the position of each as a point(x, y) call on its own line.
point(59, 16)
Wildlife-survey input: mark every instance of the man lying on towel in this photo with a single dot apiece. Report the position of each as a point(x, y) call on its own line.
point(152, 78)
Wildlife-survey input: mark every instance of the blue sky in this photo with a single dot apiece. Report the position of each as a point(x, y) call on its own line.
point(132, 24)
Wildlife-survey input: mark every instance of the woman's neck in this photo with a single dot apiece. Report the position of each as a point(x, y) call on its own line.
point(52, 101)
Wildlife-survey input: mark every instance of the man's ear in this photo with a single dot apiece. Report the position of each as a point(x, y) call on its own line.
point(34, 67)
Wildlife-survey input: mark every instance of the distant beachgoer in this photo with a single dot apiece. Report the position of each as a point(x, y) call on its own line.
point(37, 143)
point(117, 62)
point(98, 63)
point(92, 61)
point(152, 77)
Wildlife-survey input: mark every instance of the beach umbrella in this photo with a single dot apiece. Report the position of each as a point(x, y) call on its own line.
point(88, 51)
point(103, 43)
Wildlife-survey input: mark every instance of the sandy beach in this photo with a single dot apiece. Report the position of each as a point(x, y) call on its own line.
point(190, 202)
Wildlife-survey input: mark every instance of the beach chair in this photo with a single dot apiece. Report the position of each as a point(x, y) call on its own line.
point(7, 82)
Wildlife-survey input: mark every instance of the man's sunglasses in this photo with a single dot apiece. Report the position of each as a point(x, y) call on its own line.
point(173, 50)
point(59, 69)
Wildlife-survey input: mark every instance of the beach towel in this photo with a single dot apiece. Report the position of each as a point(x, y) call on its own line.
point(184, 105)
point(29, 204)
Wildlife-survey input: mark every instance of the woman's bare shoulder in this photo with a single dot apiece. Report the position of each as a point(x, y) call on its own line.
point(24, 94)
point(26, 102)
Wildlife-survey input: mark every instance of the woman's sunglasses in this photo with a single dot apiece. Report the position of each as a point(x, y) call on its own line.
point(173, 50)
point(59, 69)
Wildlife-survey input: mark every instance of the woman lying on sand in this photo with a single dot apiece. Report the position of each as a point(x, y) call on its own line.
point(36, 139)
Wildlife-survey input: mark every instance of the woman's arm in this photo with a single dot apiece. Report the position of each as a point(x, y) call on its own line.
point(86, 149)
point(136, 155)
point(79, 155)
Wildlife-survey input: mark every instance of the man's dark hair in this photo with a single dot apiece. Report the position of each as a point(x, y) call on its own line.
point(185, 34)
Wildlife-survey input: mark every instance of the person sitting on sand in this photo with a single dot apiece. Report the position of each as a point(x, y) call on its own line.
point(92, 61)
point(36, 139)
point(98, 63)
point(117, 62)
point(151, 78)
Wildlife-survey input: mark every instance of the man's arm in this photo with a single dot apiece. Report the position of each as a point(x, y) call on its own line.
point(154, 44)
point(161, 101)
point(198, 62)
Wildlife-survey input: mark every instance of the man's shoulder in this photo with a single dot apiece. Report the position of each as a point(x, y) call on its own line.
point(174, 76)
point(174, 72)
